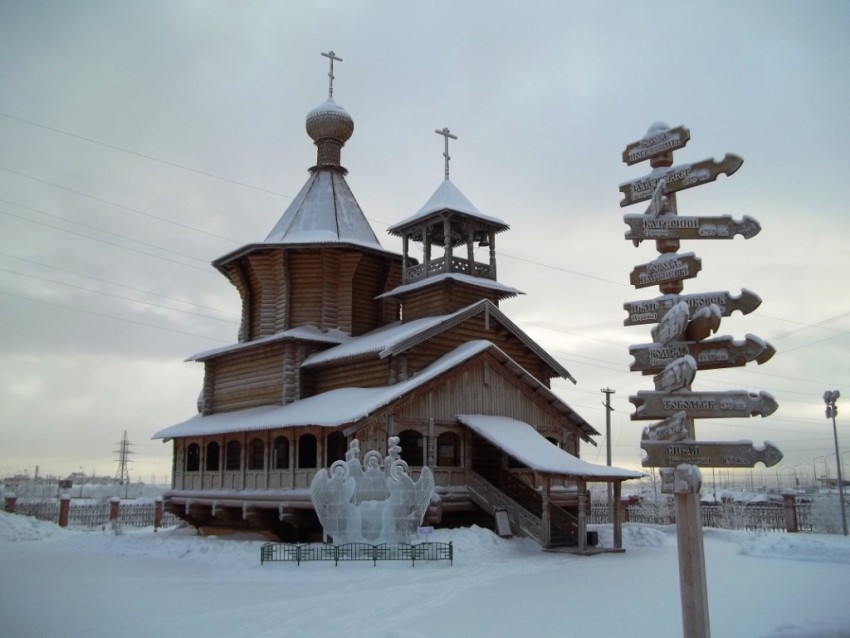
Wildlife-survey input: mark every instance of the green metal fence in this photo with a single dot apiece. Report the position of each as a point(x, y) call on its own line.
point(288, 552)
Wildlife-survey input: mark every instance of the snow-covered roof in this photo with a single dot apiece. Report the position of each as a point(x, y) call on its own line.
point(302, 333)
point(447, 197)
point(325, 211)
point(348, 405)
point(328, 409)
point(523, 442)
point(398, 337)
point(479, 282)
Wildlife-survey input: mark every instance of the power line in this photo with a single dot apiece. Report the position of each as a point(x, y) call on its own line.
point(90, 227)
point(109, 294)
point(115, 283)
point(110, 243)
point(142, 155)
point(99, 314)
point(121, 206)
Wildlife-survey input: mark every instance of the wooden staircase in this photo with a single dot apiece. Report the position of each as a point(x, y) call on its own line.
point(524, 507)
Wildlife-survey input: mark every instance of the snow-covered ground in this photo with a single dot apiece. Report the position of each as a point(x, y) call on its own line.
point(56, 582)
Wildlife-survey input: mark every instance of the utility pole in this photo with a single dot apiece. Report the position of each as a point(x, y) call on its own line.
point(830, 397)
point(608, 392)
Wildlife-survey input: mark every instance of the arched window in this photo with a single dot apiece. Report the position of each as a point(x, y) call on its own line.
point(448, 449)
point(307, 451)
point(281, 453)
point(212, 456)
point(412, 447)
point(193, 457)
point(256, 454)
point(336, 447)
point(232, 454)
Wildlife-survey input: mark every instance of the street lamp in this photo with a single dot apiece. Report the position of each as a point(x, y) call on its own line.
point(830, 397)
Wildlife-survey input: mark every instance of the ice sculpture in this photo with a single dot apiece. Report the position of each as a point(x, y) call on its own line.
point(376, 502)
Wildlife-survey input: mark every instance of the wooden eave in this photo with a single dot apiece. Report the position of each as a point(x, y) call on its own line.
point(222, 263)
point(443, 279)
point(414, 228)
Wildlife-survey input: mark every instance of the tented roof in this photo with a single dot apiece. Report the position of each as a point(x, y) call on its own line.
point(524, 443)
point(325, 211)
point(448, 197)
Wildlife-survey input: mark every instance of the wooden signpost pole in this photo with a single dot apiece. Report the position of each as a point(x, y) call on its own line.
point(679, 349)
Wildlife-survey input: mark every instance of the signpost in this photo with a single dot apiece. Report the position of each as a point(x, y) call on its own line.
point(652, 310)
point(680, 348)
point(649, 226)
point(709, 453)
point(721, 352)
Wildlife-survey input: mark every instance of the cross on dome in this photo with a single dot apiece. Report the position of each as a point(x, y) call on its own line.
point(331, 56)
point(446, 134)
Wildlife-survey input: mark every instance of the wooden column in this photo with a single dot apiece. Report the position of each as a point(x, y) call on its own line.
point(547, 521)
point(447, 241)
point(470, 253)
point(492, 240)
point(426, 248)
point(582, 514)
point(404, 251)
point(616, 515)
point(692, 582)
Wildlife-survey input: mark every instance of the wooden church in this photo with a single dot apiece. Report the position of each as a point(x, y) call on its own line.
point(343, 339)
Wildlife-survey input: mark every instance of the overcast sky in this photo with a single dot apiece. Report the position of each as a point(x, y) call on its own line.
point(141, 140)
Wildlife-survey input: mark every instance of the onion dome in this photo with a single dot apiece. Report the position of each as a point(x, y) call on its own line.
point(330, 127)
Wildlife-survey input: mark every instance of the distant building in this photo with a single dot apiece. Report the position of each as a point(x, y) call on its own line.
point(341, 339)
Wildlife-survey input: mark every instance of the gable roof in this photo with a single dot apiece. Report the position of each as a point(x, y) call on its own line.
point(349, 405)
point(523, 442)
point(399, 337)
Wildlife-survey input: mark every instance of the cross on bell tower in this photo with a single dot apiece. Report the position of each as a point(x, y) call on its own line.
point(446, 134)
point(331, 56)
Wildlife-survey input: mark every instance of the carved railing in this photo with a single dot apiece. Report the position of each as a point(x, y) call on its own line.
point(490, 498)
point(521, 492)
point(438, 266)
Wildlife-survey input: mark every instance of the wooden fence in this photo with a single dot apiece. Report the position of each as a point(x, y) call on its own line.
point(738, 516)
point(86, 514)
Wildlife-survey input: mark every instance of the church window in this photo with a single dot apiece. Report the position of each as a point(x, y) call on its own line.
point(193, 457)
point(307, 448)
point(412, 447)
point(256, 454)
point(336, 447)
point(281, 453)
point(448, 449)
point(232, 456)
point(212, 456)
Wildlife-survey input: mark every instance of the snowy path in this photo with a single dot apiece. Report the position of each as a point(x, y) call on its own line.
point(146, 584)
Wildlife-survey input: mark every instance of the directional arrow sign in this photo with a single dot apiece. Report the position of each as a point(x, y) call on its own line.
point(678, 178)
point(665, 268)
point(676, 227)
point(702, 405)
point(673, 428)
point(709, 453)
point(656, 143)
point(722, 352)
point(672, 325)
point(652, 310)
point(677, 375)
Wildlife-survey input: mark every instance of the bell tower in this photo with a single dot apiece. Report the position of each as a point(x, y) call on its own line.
point(449, 228)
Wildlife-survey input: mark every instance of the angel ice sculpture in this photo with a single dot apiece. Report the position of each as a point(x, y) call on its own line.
point(366, 502)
